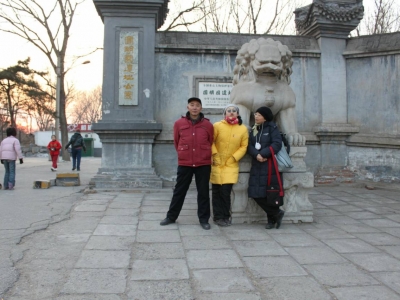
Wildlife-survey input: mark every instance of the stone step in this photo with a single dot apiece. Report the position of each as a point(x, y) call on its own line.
point(128, 184)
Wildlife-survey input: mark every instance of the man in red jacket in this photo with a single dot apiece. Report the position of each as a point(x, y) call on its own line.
point(193, 137)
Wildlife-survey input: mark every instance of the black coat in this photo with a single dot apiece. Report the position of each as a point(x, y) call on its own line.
point(76, 141)
point(268, 135)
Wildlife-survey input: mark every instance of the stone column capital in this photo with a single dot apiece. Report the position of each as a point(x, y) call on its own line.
point(329, 18)
point(133, 8)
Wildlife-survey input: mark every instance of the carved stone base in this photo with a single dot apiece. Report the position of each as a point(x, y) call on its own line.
point(297, 185)
point(127, 179)
point(126, 162)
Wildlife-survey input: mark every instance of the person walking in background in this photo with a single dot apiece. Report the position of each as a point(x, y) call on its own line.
point(265, 133)
point(54, 147)
point(77, 145)
point(230, 145)
point(10, 151)
point(193, 137)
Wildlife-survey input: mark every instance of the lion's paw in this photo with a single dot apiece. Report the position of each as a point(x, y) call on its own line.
point(296, 139)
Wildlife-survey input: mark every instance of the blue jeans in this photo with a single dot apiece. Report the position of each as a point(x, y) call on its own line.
point(9, 176)
point(76, 158)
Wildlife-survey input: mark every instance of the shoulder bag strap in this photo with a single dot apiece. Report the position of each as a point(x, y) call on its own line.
point(276, 171)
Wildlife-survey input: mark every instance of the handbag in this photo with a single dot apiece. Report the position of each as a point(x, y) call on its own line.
point(275, 193)
point(283, 159)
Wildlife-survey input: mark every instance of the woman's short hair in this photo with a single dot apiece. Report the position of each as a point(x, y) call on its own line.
point(11, 131)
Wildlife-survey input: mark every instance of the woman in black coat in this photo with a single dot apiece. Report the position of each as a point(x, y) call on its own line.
point(264, 134)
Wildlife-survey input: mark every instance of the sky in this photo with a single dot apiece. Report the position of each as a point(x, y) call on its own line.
point(86, 35)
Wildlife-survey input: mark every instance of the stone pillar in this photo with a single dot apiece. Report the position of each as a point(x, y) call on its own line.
point(128, 128)
point(330, 21)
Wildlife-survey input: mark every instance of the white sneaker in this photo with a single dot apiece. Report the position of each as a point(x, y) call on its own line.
point(52, 168)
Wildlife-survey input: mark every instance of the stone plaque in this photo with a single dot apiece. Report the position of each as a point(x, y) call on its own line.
point(128, 67)
point(214, 94)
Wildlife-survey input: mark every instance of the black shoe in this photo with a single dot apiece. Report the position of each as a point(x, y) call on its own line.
point(220, 222)
point(166, 221)
point(73, 169)
point(78, 169)
point(228, 222)
point(279, 218)
point(269, 226)
point(205, 226)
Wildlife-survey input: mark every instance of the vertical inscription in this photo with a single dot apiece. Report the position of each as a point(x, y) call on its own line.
point(128, 67)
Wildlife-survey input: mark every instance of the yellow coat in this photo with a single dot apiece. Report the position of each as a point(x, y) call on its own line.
point(230, 145)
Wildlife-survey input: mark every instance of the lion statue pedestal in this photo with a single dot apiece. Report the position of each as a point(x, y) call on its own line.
point(261, 78)
point(297, 183)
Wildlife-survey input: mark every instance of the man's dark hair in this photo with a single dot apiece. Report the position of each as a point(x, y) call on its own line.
point(11, 131)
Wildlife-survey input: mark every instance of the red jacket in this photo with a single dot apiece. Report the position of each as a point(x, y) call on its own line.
point(193, 141)
point(54, 145)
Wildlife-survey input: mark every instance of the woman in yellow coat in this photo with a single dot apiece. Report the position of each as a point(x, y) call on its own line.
point(230, 145)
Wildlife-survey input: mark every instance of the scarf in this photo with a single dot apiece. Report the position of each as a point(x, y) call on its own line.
point(255, 129)
point(232, 121)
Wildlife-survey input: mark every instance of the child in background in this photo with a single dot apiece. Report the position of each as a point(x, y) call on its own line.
point(10, 150)
point(54, 147)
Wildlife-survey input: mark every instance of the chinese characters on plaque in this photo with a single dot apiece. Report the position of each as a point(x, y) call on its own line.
point(128, 68)
point(215, 94)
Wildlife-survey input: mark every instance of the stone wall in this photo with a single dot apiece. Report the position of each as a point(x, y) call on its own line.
point(373, 95)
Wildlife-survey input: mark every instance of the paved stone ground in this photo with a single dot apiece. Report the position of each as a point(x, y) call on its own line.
point(112, 247)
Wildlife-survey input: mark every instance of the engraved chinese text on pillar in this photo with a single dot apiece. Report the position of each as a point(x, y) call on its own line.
point(128, 68)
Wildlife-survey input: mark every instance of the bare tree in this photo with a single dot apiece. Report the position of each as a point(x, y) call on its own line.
point(87, 107)
point(50, 34)
point(241, 16)
point(384, 17)
point(179, 16)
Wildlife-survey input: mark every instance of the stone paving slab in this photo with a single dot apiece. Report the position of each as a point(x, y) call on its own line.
point(205, 242)
point(161, 269)
point(158, 236)
point(89, 297)
point(222, 281)
point(91, 208)
point(95, 281)
point(374, 262)
point(101, 259)
point(315, 255)
point(334, 275)
point(123, 253)
point(119, 220)
point(350, 245)
point(391, 279)
point(229, 296)
point(122, 212)
point(155, 251)
point(112, 229)
point(369, 292)
point(294, 288)
point(392, 250)
point(213, 259)
point(97, 242)
point(378, 239)
point(273, 266)
point(296, 240)
point(258, 248)
point(160, 290)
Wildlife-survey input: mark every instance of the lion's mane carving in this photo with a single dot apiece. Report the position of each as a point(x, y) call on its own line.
point(261, 78)
point(247, 55)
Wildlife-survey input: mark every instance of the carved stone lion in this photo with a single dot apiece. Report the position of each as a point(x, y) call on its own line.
point(261, 78)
